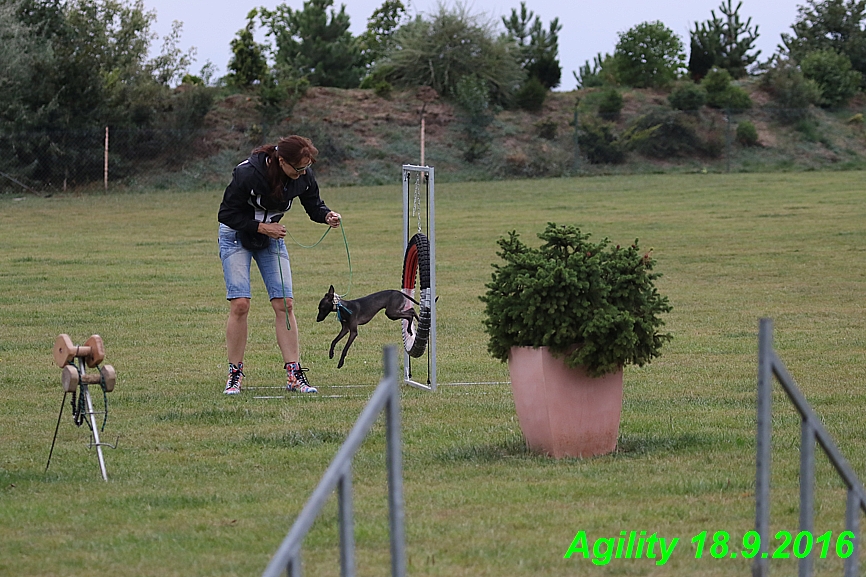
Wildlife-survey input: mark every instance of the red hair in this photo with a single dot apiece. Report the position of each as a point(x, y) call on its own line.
point(292, 149)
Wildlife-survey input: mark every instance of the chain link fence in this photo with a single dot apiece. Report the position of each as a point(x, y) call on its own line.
point(762, 138)
point(65, 159)
point(655, 138)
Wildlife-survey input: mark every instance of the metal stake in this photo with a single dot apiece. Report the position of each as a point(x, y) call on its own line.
point(57, 428)
point(86, 392)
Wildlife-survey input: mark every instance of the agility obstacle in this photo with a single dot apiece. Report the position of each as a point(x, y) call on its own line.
point(74, 379)
point(419, 271)
point(338, 476)
point(812, 432)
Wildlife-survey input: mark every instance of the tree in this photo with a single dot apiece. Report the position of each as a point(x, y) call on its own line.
point(440, 50)
point(832, 72)
point(248, 65)
point(704, 47)
point(172, 64)
point(791, 90)
point(317, 45)
point(599, 73)
point(726, 43)
point(72, 68)
point(538, 48)
point(378, 39)
point(722, 94)
point(648, 55)
point(471, 94)
point(837, 25)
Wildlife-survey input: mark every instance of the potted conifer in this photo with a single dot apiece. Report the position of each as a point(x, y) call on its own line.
point(567, 317)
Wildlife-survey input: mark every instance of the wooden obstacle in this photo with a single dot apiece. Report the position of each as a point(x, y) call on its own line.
point(70, 379)
point(73, 377)
point(91, 353)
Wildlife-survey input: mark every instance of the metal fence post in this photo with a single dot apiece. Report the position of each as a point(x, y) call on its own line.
point(761, 565)
point(347, 523)
point(807, 489)
point(852, 523)
point(395, 470)
point(338, 476)
point(812, 434)
point(727, 140)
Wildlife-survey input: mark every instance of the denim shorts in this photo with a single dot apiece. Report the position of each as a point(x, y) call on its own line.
point(237, 262)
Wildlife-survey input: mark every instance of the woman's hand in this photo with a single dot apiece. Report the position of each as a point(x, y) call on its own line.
point(333, 219)
point(272, 229)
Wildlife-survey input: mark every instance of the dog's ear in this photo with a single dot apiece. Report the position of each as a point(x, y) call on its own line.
point(331, 290)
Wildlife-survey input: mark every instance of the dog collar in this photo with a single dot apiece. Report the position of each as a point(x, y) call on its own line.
point(341, 309)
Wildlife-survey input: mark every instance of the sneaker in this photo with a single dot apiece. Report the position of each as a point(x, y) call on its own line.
point(296, 380)
point(236, 377)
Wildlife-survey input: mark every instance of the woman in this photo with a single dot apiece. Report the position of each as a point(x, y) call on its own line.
point(261, 191)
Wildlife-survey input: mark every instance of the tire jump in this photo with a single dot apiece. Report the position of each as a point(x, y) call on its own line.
point(416, 267)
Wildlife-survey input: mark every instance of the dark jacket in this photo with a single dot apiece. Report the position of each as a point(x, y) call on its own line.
point(249, 200)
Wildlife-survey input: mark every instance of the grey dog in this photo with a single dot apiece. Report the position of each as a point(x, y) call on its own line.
point(352, 313)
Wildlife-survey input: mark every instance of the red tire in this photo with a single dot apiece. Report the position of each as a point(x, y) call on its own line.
point(416, 270)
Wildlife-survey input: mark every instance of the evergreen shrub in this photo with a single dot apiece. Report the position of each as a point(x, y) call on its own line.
point(593, 303)
point(747, 134)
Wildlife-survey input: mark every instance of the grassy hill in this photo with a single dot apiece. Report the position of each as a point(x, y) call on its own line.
point(364, 138)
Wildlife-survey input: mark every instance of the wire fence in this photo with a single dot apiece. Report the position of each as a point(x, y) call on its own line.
point(726, 140)
point(584, 141)
point(63, 159)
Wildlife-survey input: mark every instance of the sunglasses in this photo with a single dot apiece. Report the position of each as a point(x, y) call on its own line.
point(302, 168)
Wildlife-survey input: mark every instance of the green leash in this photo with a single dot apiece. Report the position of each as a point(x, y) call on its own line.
point(280, 263)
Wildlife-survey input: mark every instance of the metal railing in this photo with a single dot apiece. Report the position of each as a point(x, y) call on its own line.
point(338, 476)
point(811, 431)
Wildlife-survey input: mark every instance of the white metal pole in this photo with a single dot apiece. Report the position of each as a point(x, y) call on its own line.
point(105, 172)
point(86, 392)
point(431, 212)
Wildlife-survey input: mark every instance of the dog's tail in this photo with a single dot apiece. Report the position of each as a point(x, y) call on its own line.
point(408, 297)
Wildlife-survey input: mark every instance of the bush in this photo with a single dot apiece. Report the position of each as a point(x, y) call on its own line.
point(809, 129)
point(476, 111)
point(383, 89)
point(599, 144)
point(668, 134)
point(610, 103)
point(791, 91)
point(716, 81)
point(571, 291)
point(688, 96)
point(546, 129)
point(722, 94)
point(377, 75)
point(733, 98)
point(596, 74)
point(834, 76)
point(440, 49)
point(531, 95)
point(747, 134)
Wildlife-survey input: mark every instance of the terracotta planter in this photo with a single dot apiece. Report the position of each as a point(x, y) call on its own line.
point(563, 412)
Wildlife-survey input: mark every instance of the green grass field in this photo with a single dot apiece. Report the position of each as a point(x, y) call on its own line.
point(203, 484)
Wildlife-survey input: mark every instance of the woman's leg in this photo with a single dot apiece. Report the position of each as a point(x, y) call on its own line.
point(277, 274)
point(236, 270)
point(236, 329)
point(287, 337)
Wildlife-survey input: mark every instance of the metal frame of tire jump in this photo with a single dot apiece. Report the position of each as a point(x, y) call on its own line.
point(338, 476)
point(420, 262)
point(74, 379)
point(811, 431)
